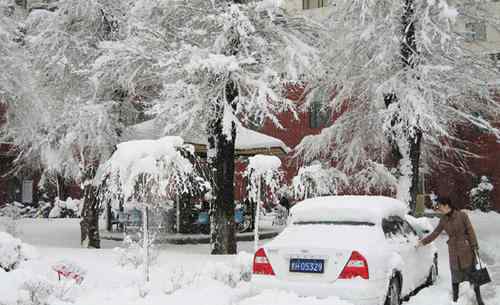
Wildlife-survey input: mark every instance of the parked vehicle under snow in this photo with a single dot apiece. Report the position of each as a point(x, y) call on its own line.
point(359, 248)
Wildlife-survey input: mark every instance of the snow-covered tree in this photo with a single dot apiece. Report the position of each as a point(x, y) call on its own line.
point(209, 66)
point(69, 127)
point(147, 173)
point(16, 81)
point(264, 178)
point(480, 195)
point(317, 180)
point(403, 79)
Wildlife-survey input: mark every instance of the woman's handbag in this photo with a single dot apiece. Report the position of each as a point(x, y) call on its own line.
point(479, 274)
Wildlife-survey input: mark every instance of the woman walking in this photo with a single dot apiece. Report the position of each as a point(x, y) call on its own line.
point(462, 245)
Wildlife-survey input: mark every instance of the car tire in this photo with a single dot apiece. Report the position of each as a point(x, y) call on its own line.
point(433, 273)
point(393, 293)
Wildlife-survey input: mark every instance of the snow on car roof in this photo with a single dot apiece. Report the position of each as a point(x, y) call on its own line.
point(347, 208)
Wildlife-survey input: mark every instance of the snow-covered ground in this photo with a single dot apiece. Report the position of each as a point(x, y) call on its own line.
point(186, 274)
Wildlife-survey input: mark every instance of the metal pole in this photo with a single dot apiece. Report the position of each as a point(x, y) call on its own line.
point(257, 213)
point(145, 241)
point(178, 214)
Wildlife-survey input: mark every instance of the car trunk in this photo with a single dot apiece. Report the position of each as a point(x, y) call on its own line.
point(311, 244)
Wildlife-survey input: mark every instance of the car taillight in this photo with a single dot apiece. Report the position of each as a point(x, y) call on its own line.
point(356, 266)
point(261, 264)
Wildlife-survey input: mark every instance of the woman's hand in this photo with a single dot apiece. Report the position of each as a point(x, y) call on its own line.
point(419, 244)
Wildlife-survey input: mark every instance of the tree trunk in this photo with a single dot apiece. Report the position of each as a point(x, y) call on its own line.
point(415, 151)
point(221, 157)
point(109, 217)
point(412, 133)
point(185, 213)
point(408, 52)
point(89, 225)
point(222, 209)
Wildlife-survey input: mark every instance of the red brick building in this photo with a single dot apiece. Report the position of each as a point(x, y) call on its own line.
point(444, 179)
point(19, 187)
point(456, 181)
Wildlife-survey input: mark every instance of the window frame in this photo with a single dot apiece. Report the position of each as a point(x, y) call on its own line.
point(319, 116)
point(476, 31)
point(306, 4)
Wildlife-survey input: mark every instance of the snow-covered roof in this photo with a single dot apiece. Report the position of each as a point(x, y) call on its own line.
point(348, 208)
point(248, 142)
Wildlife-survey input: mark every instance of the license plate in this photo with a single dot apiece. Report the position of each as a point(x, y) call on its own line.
point(307, 265)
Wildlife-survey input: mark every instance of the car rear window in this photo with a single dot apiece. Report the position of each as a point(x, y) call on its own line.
point(335, 223)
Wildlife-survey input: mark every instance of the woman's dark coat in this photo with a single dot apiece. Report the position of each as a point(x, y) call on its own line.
point(462, 240)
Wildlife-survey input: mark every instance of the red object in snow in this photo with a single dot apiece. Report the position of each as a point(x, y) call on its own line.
point(64, 271)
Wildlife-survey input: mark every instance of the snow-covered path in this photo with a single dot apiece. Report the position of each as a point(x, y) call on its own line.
point(186, 274)
point(488, 229)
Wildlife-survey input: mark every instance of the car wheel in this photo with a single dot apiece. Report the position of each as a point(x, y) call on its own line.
point(433, 273)
point(394, 293)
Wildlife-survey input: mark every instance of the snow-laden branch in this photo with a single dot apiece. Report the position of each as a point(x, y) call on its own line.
point(180, 56)
point(144, 169)
point(317, 180)
point(264, 178)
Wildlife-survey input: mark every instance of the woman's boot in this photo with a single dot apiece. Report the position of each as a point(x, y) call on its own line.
point(455, 287)
point(479, 299)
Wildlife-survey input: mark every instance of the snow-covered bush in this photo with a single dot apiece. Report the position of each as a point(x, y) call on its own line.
point(480, 195)
point(9, 214)
point(16, 210)
point(240, 270)
point(131, 254)
point(11, 209)
point(177, 279)
point(39, 290)
point(66, 290)
point(13, 251)
point(69, 208)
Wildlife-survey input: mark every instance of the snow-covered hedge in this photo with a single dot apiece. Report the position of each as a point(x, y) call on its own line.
point(13, 251)
point(69, 208)
point(38, 291)
point(132, 253)
point(17, 210)
point(228, 274)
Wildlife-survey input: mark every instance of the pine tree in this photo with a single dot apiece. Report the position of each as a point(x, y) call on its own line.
point(480, 195)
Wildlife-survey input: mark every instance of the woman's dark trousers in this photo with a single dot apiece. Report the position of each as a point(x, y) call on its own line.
point(477, 290)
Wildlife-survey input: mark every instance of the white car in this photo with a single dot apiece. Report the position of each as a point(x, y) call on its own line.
point(358, 248)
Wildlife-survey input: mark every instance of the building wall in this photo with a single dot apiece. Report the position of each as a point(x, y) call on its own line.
point(492, 42)
point(457, 183)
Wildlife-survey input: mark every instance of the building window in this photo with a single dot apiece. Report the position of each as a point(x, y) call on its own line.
point(495, 57)
point(310, 4)
point(319, 115)
point(475, 31)
point(27, 191)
